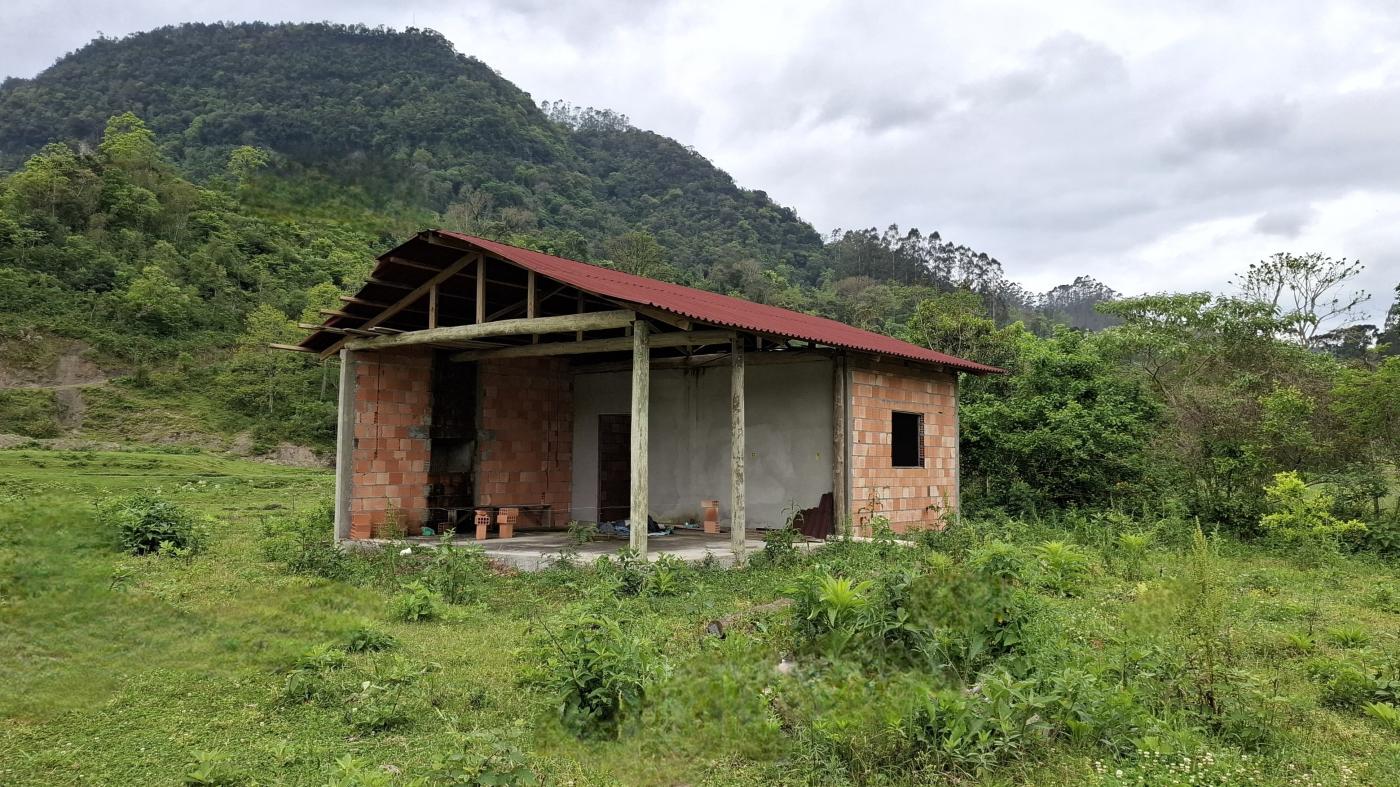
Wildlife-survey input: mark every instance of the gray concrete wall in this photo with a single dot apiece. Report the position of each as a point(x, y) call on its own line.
point(789, 437)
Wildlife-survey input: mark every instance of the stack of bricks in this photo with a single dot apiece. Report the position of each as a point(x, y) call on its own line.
point(711, 508)
point(393, 413)
point(527, 434)
point(912, 498)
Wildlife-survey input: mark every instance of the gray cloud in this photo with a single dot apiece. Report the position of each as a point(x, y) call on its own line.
point(1285, 223)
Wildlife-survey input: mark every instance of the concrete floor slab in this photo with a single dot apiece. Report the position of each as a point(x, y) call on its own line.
point(536, 551)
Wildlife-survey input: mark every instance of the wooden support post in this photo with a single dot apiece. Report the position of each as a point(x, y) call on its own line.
point(345, 445)
point(481, 289)
point(432, 306)
point(641, 409)
point(840, 481)
point(737, 534)
point(532, 304)
point(578, 335)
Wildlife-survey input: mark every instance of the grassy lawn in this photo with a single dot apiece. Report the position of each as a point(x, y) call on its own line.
point(118, 670)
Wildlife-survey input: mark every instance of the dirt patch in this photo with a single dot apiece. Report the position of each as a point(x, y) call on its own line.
point(295, 456)
point(65, 367)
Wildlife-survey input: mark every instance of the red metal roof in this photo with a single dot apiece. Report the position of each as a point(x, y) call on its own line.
point(713, 308)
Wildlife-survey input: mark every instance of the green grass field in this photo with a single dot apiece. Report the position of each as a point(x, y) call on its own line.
point(118, 670)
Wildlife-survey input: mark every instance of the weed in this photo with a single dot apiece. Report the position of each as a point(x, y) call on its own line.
point(1063, 566)
point(211, 769)
point(365, 639)
point(1385, 713)
point(1348, 636)
point(581, 533)
point(416, 603)
point(664, 577)
point(599, 670)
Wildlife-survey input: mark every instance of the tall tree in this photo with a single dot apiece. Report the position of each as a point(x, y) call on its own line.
point(1305, 291)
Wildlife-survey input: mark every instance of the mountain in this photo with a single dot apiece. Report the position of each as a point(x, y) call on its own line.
point(394, 121)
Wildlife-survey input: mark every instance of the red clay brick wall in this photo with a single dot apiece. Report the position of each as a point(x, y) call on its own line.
point(393, 412)
point(527, 433)
point(912, 498)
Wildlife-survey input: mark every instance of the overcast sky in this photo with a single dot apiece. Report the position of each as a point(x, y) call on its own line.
point(1155, 145)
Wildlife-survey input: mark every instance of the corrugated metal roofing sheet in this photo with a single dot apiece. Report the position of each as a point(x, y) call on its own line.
point(713, 308)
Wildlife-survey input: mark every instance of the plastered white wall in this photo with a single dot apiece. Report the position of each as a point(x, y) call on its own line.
point(789, 438)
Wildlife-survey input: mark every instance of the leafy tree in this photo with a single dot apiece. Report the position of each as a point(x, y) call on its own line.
point(1068, 429)
point(244, 161)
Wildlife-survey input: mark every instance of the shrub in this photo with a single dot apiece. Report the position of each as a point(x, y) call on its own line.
point(365, 639)
point(141, 523)
point(599, 670)
point(455, 571)
point(1300, 518)
point(1063, 566)
point(1130, 551)
point(1348, 687)
point(665, 577)
point(626, 575)
point(417, 602)
point(778, 546)
point(390, 697)
point(1000, 560)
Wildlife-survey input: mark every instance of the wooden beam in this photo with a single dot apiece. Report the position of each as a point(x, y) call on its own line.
point(345, 445)
point(426, 267)
point(481, 289)
point(611, 344)
point(590, 321)
point(407, 300)
point(433, 307)
point(296, 348)
point(737, 525)
point(578, 337)
point(641, 412)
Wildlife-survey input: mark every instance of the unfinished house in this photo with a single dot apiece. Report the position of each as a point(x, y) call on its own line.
point(498, 391)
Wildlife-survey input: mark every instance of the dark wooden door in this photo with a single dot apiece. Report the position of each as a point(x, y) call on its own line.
point(614, 467)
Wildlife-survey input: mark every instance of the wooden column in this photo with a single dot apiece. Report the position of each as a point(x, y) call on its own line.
point(481, 289)
point(737, 534)
point(433, 307)
point(840, 476)
point(345, 444)
point(532, 306)
point(641, 410)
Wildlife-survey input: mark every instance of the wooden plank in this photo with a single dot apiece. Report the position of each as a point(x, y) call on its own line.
point(839, 481)
point(641, 411)
point(345, 445)
point(737, 524)
point(578, 337)
point(433, 307)
point(296, 348)
point(611, 344)
point(407, 300)
point(590, 321)
point(480, 290)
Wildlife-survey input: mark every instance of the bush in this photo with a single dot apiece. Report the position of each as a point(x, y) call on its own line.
point(416, 603)
point(1303, 519)
point(599, 670)
point(141, 523)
